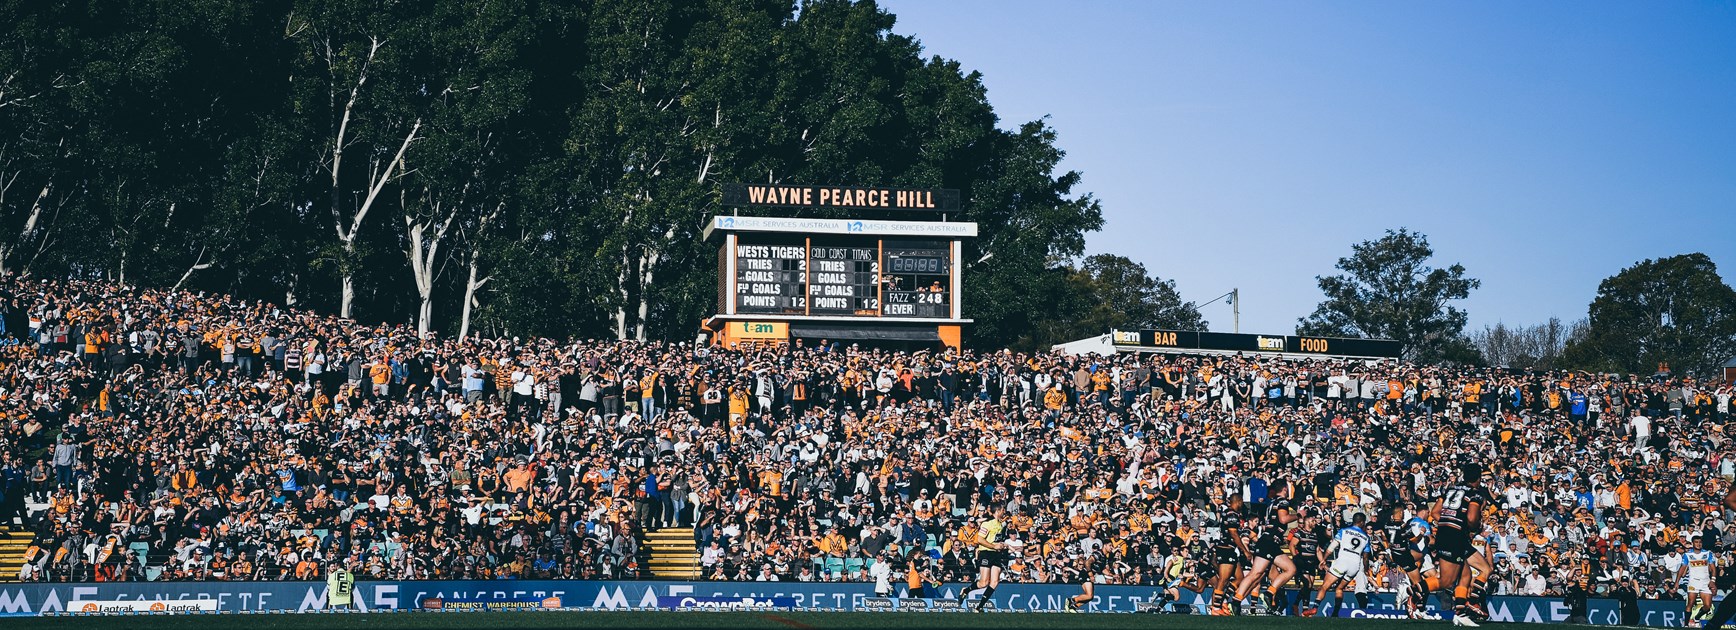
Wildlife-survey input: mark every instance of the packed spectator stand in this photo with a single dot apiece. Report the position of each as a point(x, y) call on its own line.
point(169, 435)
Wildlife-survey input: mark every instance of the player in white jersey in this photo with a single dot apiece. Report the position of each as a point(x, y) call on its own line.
point(1346, 550)
point(1700, 569)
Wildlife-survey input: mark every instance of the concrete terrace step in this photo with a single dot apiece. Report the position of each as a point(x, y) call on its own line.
point(13, 545)
point(673, 553)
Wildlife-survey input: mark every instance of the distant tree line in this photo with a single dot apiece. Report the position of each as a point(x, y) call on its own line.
point(1674, 312)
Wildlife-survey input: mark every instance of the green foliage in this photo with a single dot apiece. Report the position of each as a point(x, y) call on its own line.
point(568, 152)
point(1117, 293)
point(1676, 311)
point(1389, 291)
point(1101, 293)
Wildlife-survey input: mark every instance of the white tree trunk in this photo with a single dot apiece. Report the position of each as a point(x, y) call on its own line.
point(422, 274)
point(471, 284)
point(348, 236)
point(198, 264)
point(424, 253)
point(621, 309)
point(349, 294)
point(424, 315)
point(25, 232)
point(644, 269)
point(647, 274)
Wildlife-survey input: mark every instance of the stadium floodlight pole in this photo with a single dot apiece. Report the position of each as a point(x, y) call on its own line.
point(1235, 301)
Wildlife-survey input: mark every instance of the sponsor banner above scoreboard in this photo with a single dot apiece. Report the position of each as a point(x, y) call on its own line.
point(863, 227)
point(1186, 340)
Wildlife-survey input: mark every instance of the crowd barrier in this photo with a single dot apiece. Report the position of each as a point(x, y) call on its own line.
point(241, 597)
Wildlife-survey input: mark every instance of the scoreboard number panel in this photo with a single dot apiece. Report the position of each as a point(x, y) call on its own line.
point(842, 278)
point(770, 277)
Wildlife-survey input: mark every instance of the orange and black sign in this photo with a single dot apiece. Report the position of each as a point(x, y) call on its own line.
point(1274, 344)
point(844, 197)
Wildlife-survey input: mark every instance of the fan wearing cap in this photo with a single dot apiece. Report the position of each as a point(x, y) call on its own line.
point(1458, 520)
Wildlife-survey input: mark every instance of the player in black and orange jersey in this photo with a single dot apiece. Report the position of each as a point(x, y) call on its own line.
point(1268, 549)
point(1458, 513)
point(1228, 550)
point(1305, 551)
point(1408, 542)
point(1095, 566)
point(914, 573)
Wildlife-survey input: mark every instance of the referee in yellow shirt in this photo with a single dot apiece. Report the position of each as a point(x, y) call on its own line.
point(991, 558)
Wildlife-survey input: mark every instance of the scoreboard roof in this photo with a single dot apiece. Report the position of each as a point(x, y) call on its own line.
point(865, 227)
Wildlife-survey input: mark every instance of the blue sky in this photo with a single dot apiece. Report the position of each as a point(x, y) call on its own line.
point(1544, 145)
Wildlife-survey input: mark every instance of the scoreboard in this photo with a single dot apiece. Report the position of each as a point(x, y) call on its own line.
point(839, 270)
point(879, 281)
point(919, 273)
point(779, 274)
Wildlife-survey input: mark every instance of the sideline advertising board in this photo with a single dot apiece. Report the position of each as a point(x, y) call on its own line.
point(235, 597)
point(93, 606)
point(490, 605)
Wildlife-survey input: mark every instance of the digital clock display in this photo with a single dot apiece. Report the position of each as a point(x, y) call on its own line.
point(914, 264)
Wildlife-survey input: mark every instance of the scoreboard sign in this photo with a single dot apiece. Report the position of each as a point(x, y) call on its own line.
point(1183, 340)
point(843, 197)
point(837, 276)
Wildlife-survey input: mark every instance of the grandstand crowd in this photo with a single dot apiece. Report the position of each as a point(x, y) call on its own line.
point(170, 435)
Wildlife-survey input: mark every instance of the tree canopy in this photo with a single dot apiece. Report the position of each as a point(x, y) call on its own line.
point(514, 166)
point(1388, 290)
point(1674, 311)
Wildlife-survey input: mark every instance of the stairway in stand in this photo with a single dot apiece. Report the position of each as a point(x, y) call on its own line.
point(14, 541)
point(674, 556)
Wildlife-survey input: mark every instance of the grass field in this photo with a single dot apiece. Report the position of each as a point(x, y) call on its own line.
point(778, 620)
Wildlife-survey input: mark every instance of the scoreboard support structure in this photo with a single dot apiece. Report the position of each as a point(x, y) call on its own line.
point(875, 282)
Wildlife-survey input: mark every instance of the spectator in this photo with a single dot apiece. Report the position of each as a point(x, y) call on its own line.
point(415, 456)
